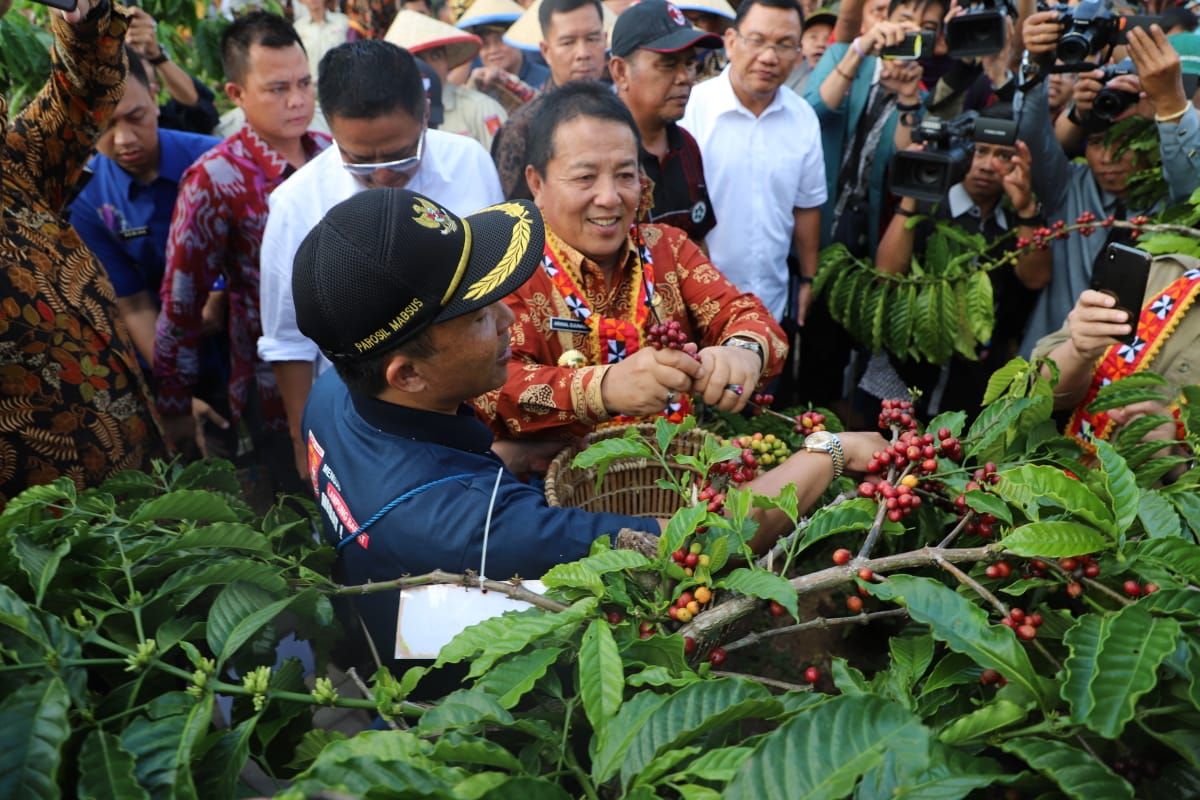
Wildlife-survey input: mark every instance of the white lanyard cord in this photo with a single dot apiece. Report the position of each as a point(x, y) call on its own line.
point(487, 526)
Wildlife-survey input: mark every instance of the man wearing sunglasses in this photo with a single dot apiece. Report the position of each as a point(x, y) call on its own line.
point(373, 94)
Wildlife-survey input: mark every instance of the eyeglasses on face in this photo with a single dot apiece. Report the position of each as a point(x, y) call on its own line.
point(403, 166)
point(756, 44)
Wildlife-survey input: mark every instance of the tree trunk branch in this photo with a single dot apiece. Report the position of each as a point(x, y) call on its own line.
point(787, 687)
point(823, 623)
point(512, 589)
point(707, 624)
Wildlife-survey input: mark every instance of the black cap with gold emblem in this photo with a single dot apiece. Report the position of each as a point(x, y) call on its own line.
point(388, 263)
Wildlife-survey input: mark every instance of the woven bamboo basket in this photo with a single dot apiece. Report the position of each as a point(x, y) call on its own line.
point(629, 484)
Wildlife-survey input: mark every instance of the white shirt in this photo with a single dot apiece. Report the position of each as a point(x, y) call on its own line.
point(960, 203)
point(321, 37)
point(758, 169)
point(455, 171)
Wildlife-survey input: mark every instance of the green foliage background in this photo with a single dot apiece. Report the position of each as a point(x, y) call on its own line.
point(190, 35)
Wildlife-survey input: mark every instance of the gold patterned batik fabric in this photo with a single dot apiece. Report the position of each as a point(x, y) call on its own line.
point(72, 398)
point(545, 400)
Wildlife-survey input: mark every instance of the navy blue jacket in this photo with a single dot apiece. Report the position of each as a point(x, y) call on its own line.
point(364, 455)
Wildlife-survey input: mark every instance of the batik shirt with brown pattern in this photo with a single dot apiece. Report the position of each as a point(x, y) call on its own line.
point(544, 400)
point(72, 399)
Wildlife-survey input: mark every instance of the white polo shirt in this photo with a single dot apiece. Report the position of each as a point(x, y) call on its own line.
point(758, 170)
point(455, 171)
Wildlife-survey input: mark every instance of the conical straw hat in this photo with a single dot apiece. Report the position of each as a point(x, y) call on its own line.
point(526, 32)
point(490, 12)
point(719, 7)
point(417, 32)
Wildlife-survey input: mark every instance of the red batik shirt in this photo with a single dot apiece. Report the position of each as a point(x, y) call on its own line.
point(543, 400)
point(216, 230)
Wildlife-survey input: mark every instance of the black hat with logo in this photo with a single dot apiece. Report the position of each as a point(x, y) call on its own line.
point(658, 26)
point(386, 264)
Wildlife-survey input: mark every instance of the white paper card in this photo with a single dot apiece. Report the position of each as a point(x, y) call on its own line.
point(430, 616)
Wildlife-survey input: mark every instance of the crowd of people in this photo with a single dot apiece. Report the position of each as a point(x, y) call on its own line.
point(430, 245)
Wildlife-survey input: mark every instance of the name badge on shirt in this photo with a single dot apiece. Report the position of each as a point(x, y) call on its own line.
point(569, 325)
point(134, 233)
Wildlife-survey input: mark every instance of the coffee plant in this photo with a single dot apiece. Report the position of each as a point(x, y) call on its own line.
point(1039, 606)
point(943, 306)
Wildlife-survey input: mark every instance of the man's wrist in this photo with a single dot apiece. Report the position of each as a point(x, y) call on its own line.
point(749, 345)
point(1084, 356)
point(1174, 116)
point(1031, 216)
point(158, 60)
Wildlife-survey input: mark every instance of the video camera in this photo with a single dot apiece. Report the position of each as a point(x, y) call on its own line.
point(1090, 27)
point(1111, 103)
point(980, 31)
point(949, 147)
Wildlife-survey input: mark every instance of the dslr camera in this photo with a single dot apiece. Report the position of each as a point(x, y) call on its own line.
point(1090, 27)
point(1111, 103)
point(980, 31)
point(949, 147)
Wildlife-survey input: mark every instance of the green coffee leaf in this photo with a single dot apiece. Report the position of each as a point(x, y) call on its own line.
point(512, 678)
point(510, 633)
point(1158, 516)
point(1055, 539)
point(106, 770)
point(601, 674)
point(983, 721)
point(602, 454)
point(185, 504)
point(1051, 486)
point(1121, 485)
point(693, 712)
point(585, 573)
point(33, 729)
point(1114, 660)
point(963, 626)
point(820, 755)
point(1075, 772)
point(762, 584)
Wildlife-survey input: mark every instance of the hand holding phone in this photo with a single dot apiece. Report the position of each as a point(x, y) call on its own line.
point(915, 45)
point(1122, 272)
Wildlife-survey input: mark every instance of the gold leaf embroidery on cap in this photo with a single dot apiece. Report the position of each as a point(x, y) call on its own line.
point(430, 216)
point(508, 263)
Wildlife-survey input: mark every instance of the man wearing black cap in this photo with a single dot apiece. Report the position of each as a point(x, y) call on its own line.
point(653, 67)
point(378, 103)
point(404, 297)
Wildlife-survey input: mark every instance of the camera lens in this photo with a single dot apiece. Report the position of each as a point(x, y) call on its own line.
point(1111, 103)
point(928, 173)
point(1075, 46)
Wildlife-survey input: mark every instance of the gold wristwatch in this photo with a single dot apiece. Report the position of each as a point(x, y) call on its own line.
point(826, 442)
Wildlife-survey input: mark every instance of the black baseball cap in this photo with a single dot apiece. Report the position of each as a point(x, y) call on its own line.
point(386, 264)
point(658, 26)
point(822, 16)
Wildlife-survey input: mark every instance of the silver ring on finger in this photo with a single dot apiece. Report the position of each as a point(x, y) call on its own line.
point(735, 388)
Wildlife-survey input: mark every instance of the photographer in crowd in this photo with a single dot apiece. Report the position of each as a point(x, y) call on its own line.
point(1155, 88)
point(1100, 186)
point(997, 172)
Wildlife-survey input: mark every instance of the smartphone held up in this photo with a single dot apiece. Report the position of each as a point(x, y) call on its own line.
point(1122, 273)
